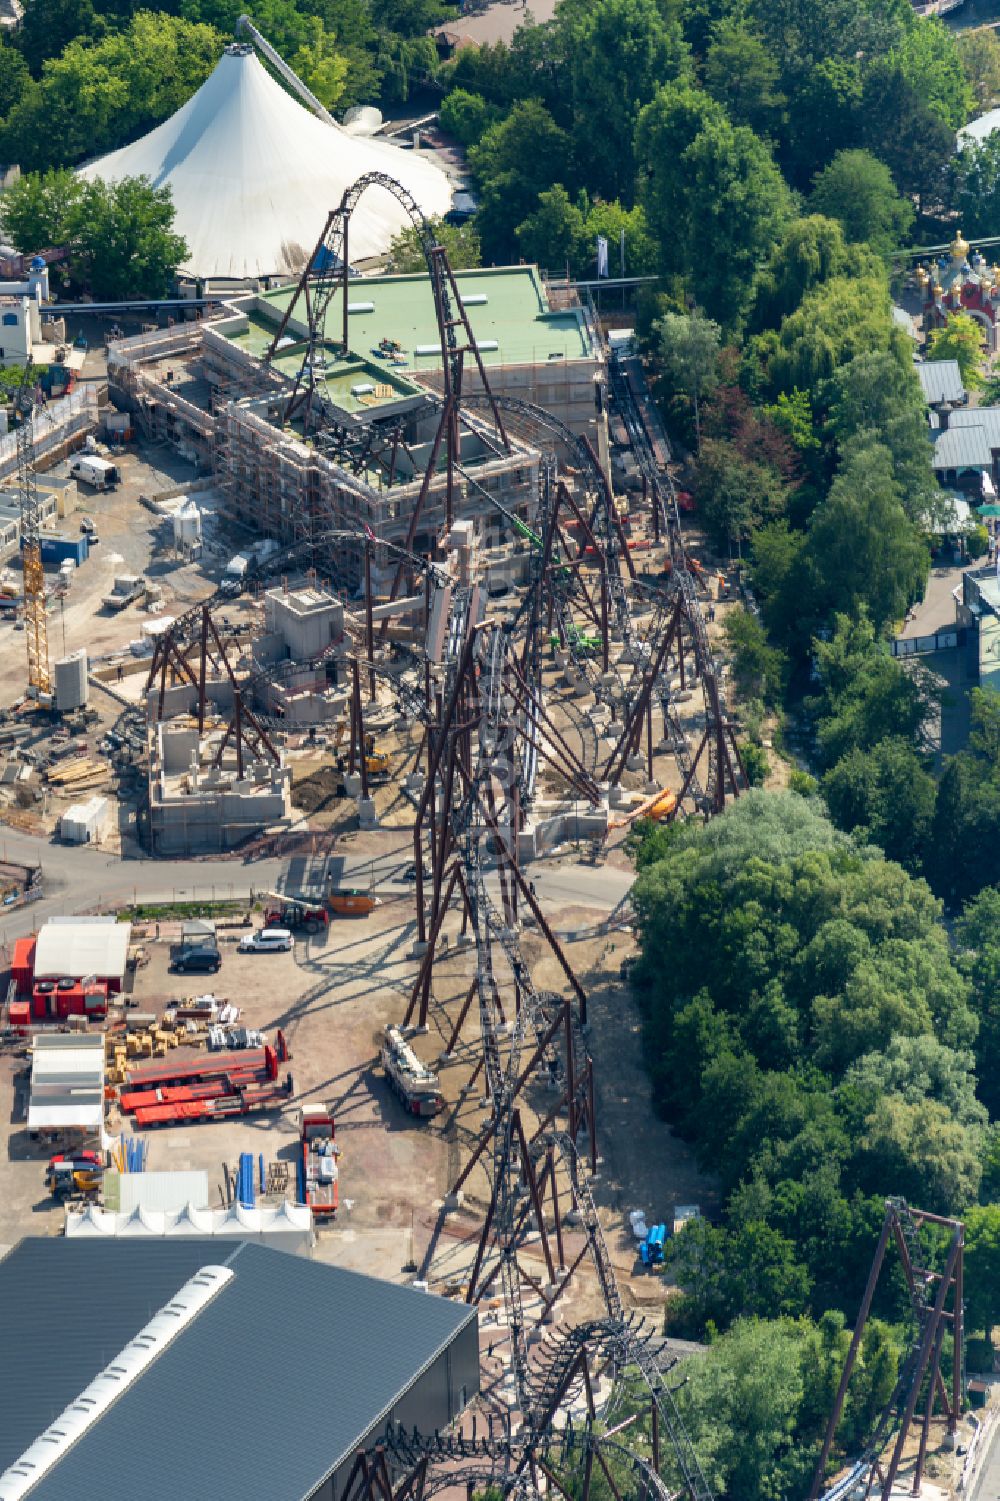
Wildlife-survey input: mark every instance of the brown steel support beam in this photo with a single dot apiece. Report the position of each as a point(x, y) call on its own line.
point(925, 1427)
point(369, 630)
point(461, 1018)
point(528, 1172)
point(926, 1345)
point(852, 1355)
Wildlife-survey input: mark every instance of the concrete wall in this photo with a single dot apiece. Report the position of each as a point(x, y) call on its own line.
point(306, 622)
point(206, 822)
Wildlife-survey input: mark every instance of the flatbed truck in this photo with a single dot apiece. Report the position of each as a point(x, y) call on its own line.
point(318, 1169)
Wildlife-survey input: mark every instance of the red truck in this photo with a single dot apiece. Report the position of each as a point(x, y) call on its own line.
point(318, 1172)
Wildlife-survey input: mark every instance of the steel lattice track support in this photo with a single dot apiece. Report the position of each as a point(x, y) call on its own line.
point(932, 1316)
point(35, 619)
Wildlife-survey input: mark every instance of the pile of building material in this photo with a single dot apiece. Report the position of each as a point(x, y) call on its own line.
point(78, 775)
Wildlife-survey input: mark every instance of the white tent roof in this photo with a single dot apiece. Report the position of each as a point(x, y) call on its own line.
point(73, 947)
point(254, 175)
point(288, 1225)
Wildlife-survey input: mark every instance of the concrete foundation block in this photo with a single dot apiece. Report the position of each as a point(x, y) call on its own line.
point(415, 782)
point(367, 817)
point(453, 1201)
point(527, 842)
point(352, 784)
point(635, 763)
point(616, 797)
point(418, 950)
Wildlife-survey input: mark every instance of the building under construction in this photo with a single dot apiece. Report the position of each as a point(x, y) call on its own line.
point(218, 391)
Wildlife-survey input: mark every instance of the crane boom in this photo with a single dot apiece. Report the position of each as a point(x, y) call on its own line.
point(35, 623)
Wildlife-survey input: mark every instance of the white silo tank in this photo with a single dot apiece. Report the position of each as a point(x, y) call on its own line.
point(187, 527)
point(72, 688)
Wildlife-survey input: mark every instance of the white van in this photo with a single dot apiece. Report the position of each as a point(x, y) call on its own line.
point(94, 471)
point(267, 941)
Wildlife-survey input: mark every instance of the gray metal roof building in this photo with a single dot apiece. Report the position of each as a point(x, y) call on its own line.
point(267, 1388)
point(941, 381)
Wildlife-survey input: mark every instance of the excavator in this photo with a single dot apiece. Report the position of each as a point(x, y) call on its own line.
point(376, 759)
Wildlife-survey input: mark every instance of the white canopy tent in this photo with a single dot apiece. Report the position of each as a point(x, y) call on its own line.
point(285, 1225)
point(254, 175)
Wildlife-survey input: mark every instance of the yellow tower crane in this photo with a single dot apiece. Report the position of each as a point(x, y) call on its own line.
point(35, 624)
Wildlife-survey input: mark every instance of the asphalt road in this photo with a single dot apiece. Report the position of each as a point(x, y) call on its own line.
point(80, 879)
point(987, 1486)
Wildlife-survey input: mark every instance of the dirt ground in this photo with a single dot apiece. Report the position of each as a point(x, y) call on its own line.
point(331, 997)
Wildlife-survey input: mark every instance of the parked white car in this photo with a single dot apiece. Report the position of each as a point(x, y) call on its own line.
point(267, 941)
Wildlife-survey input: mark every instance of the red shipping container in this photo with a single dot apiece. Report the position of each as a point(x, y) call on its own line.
point(20, 1015)
point(23, 966)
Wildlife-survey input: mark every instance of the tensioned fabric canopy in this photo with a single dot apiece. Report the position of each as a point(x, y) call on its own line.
point(254, 174)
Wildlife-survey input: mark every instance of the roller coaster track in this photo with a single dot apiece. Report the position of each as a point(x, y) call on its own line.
point(504, 1044)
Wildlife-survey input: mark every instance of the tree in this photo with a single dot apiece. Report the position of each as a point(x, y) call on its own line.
point(857, 190)
point(724, 1276)
point(321, 66)
point(978, 936)
point(35, 210)
point(736, 202)
point(757, 667)
point(689, 348)
point(49, 25)
point(809, 252)
point(740, 1403)
point(931, 63)
point(836, 320)
point(735, 496)
point(120, 235)
point(622, 52)
point(919, 1152)
point(667, 127)
point(466, 116)
point(918, 1069)
point(14, 78)
point(905, 131)
point(982, 1267)
point(94, 97)
point(829, 117)
point(861, 550)
point(553, 234)
point(887, 795)
point(406, 248)
point(513, 163)
point(964, 340)
point(122, 239)
point(965, 834)
point(875, 395)
point(979, 54)
point(742, 74)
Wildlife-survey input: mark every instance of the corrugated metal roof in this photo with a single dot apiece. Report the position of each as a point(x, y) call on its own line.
point(962, 447)
point(274, 1383)
point(941, 380)
point(127, 1191)
point(988, 418)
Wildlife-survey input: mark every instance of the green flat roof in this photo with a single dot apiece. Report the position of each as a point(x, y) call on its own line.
point(341, 374)
point(516, 317)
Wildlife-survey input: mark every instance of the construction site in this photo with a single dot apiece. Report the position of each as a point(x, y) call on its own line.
point(436, 624)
